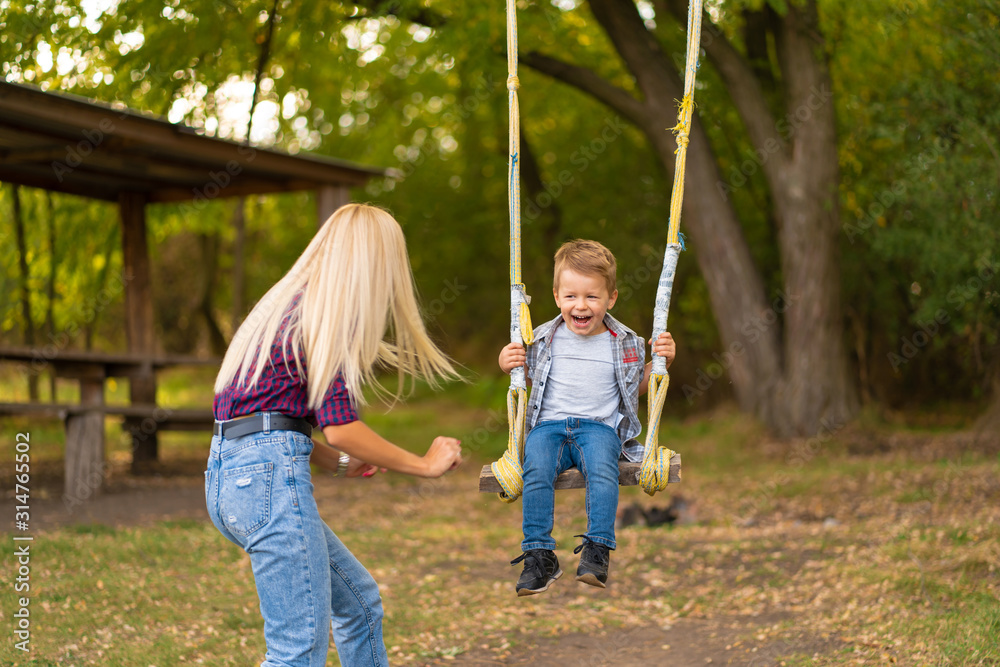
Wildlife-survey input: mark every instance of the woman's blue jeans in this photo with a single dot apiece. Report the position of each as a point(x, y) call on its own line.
point(555, 446)
point(260, 497)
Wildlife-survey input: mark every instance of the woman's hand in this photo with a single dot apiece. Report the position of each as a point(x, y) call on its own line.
point(443, 455)
point(512, 356)
point(368, 451)
point(359, 468)
point(665, 347)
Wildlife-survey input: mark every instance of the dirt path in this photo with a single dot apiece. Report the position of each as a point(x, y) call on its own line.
point(688, 642)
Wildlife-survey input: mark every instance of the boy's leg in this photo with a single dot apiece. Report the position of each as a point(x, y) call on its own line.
point(545, 452)
point(596, 449)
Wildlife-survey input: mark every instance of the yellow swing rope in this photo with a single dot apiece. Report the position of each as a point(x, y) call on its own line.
point(507, 469)
point(655, 471)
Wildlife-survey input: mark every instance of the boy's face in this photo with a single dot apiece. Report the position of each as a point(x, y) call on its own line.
point(583, 300)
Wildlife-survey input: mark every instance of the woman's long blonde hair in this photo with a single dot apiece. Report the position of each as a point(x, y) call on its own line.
point(356, 290)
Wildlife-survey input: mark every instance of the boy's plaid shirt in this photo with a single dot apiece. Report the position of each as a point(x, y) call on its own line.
point(629, 354)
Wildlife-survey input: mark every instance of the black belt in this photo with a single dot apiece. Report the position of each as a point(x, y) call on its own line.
point(264, 421)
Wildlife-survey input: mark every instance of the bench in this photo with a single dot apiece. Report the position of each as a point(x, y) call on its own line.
point(85, 467)
point(84, 462)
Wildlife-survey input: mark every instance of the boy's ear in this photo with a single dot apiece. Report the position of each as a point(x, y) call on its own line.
point(614, 297)
point(555, 295)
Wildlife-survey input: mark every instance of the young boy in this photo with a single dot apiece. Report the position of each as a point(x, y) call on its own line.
point(587, 372)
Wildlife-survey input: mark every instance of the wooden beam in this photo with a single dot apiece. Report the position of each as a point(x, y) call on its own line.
point(44, 154)
point(628, 475)
point(84, 461)
point(328, 199)
point(139, 314)
point(138, 282)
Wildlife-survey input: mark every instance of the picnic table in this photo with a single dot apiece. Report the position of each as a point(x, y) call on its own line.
point(84, 421)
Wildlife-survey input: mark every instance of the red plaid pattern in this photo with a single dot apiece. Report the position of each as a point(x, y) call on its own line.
point(281, 389)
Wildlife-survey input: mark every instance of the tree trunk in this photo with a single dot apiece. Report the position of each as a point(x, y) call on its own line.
point(90, 325)
point(988, 424)
point(816, 389)
point(534, 186)
point(239, 262)
point(50, 323)
point(796, 381)
point(22, 262)
point(209, 245)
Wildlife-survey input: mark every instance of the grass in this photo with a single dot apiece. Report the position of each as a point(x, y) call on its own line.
point(835, 557)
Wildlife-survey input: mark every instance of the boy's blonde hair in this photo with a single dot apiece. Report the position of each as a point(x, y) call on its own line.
point(588, 258)
point(356, 288)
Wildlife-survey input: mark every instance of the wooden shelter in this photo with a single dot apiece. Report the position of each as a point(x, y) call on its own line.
point(69, 144)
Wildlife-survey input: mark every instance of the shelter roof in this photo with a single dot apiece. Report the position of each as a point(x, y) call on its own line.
point(70, 144)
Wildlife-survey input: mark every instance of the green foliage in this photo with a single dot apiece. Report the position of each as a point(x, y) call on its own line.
point(420, 88)
point(87, 267)
point(920, 186)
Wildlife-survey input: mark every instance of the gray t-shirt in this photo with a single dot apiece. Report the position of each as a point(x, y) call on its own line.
point(581, 380)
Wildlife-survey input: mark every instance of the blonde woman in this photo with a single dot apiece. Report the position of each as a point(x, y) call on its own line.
point(301, 359)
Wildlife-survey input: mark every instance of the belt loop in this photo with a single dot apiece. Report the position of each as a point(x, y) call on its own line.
point(267, 423)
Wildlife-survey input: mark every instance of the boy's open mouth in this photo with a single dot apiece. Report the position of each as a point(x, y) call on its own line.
point(581, 321)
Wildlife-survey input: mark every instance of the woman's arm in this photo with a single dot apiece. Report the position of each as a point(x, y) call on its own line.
point(358, 441)
point(324, 456)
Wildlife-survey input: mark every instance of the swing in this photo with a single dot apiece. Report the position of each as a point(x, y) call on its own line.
point(660, 465)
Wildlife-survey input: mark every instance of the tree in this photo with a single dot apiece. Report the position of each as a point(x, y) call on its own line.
point(920, 229)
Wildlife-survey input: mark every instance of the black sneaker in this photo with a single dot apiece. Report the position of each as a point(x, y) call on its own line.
point(541, 568)
point(594, 563)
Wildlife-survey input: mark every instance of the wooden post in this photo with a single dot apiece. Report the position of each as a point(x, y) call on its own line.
point(328, 199)
point(84, 459)
point(139, 317)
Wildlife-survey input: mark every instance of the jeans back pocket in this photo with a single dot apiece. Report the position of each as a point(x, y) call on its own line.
point(245, 498)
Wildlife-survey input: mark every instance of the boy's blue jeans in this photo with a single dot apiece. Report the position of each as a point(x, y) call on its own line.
point(260, 496)
point(555, 446)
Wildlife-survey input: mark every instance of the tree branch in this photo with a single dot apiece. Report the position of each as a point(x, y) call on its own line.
point(413, 13)
point(589, 82)
point(656, 75)
point(265, 54)
point(744, 88)
point(531, 178)
point(808, 89)
point(756, 25)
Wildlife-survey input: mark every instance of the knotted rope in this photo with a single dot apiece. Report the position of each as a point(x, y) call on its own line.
point(655, 471)
point(508, 469)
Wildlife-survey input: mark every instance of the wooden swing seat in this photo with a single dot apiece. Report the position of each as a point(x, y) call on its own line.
point(628, 475)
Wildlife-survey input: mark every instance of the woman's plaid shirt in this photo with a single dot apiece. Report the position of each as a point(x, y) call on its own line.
point(281, 389)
